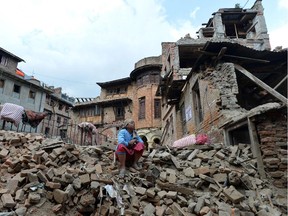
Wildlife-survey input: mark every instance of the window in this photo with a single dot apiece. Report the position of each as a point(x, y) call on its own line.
point(183, 118)
point(65, 121)
point(60, 107)
point(58, 119)
point(47, 131)
point(31, 96)
point(52, 103)
point(82, 113)
point(97, 110)
point(142, 108)
point(16, 91)
point(3, 60)
point(157, 108)
point(47, 101)
point(16, 88)
point(197, 103)
point(90, 112)
point(239, 135)
point(63, 133)
point(171, 124)
point(119, 113)
point(148, 78)
point(117, 90)
point(2, 82)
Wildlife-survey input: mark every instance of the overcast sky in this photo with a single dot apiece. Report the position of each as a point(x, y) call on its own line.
point(74, 44)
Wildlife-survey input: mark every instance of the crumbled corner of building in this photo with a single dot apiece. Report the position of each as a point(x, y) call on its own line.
point(40, 175)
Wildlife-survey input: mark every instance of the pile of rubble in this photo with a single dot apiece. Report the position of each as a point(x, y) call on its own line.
point(77, 180)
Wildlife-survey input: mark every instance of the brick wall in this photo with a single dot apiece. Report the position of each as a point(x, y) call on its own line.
point(218, 89)
point(272, 131)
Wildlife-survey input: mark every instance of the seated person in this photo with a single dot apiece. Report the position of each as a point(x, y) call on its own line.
point(130, 147)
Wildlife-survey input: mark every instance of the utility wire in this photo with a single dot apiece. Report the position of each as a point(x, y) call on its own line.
point(245, 3)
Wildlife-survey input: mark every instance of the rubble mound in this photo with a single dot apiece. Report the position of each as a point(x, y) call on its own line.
point(41, 176)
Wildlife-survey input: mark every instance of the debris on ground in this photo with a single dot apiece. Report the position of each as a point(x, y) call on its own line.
point(41, 176)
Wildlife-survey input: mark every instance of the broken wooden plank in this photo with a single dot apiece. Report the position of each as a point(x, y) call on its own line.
point(174, 187)
point(193, 154)
point(176, 162)
point(255, 147)
point(151, 155)
point(177, 210)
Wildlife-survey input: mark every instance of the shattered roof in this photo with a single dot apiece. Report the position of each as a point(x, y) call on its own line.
point(250, 58)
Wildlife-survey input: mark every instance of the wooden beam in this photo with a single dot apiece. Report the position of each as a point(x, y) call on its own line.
point(251, 27)
point(249, 59)
point(280, 83)
point(261, 84)
point(238, 57)
point(175, 187)
point(235, 29)
point(255, 148)
point(220, 55)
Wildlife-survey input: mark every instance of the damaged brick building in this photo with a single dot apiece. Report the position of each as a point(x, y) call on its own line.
point(229, 85)
point(129, 97)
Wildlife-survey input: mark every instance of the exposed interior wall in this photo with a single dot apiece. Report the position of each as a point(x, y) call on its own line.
point(217, 92)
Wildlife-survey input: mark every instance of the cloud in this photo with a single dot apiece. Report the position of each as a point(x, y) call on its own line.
point(283, 3)
point(278, 31)
point(276, 37)
point(74, 45)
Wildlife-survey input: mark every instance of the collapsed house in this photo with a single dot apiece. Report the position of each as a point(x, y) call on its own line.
point(229, 85)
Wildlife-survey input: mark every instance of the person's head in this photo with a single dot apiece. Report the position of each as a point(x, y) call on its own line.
point(129, 124)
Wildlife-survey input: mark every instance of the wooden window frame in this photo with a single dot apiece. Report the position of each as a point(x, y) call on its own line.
point(141, 108)
point(157, 108)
